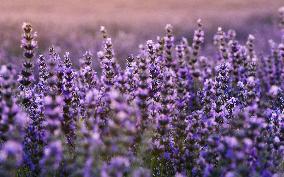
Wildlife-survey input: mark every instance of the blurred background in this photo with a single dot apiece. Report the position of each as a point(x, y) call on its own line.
point(73, 25)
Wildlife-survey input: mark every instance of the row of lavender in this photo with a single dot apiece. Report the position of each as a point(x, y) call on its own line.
point(170, 112)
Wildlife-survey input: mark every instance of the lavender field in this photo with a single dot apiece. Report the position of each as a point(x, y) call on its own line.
point(195, 99)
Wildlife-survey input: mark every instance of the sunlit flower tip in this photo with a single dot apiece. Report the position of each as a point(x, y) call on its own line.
point(232, 33)
point(281, 10)
point(184, 42)
point(251, 79)
point(281, 48)
point(141, 47)
point(27, 27)
point(199, 22)
point(251, 37)
point(102, 29)
point(100, 54)
point(88, 53)
point(149, 42)
point(108, 41)
point(3, 70)
point(274, 90)
point(158, 38)
point(169, 28)
point(66, 55)
point(276, 139)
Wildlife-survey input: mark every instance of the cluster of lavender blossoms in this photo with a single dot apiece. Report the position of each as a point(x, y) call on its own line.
point(168, 112)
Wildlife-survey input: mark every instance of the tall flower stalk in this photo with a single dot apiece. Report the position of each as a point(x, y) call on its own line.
point(26, 79)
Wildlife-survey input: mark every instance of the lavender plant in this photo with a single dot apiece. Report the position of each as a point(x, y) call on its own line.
point(173, 110)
